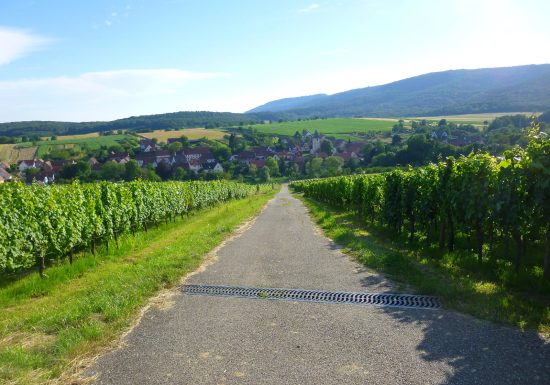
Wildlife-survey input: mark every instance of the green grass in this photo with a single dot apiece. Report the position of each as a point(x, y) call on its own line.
point(327, 126)
point(48, 325)
point(414, 269)
point(45, 146)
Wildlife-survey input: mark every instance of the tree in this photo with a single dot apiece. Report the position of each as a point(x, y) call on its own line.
point(79, 170)
point(313, 167)
point(149, 174)
point(353, 163)
point(180, 174)
point(273, 166)
point(264, 174)
point(327, 147)
point(372, 149)
point(418, 149)
point(112, 171)
point(253, 169)
point(396, 140)
point(164, 170)
point(232, 142)
point(132, 171)
point(175, 147)
point(333, 165)
point(222, 153)
point(184, 141)
point(384, 159)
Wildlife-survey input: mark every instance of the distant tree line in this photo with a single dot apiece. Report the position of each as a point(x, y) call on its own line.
point(170, 121)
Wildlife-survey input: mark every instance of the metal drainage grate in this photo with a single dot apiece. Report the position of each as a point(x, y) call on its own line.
point(359, 298)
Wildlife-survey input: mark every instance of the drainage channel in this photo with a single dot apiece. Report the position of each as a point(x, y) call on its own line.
point(343, 297)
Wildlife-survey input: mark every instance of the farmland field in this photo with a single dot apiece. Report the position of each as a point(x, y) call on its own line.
point(327, 126)
point(11, 154)
point(81, 141)
point(74, 137)
point(190, 133)
point(473, 118)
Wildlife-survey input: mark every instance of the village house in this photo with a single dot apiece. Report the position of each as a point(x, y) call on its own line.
point(356, 147)
point(202, 154)
point(195, 165)
point(147, 145)
point(23, 165)
point(5, 176)
point(154, 158)
point(43, 177)
point(245, 157)
point(259, 163)
point(163, 156)
point(120, 157)
point(316, 141)
point(212, 167)
point(340, 144)
point(261, 152)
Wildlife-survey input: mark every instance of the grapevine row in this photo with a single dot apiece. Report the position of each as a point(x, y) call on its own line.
point(52, 222)
point(483, 198)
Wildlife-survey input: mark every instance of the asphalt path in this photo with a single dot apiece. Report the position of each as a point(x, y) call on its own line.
point(217, 340)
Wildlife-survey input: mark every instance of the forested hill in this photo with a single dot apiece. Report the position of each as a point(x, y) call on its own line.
point(173, 120)
point(505, 89)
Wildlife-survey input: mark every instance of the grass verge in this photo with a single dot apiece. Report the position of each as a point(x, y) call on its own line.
point(48, 325)
point(408, 268)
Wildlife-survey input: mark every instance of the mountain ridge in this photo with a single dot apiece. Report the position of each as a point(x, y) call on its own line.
point(462, 91)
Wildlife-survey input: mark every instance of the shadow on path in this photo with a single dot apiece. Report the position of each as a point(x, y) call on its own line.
point(479, 352)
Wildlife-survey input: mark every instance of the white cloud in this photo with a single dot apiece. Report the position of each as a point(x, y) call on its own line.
point(103, 95)
point(17, 43)
point(309, 8)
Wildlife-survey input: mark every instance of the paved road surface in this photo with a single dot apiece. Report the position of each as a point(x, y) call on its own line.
point(213, 340)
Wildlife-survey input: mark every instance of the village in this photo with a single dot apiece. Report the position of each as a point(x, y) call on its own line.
point(198, 159)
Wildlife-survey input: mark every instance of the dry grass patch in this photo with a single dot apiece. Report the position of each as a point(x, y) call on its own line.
point(191, 133)
point(73, 137)
point(11, 154)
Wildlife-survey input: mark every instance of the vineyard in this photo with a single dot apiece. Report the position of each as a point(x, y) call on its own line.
point(40, 223)
point(499, 208)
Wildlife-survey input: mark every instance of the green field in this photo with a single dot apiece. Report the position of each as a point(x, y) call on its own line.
point(44, 147)
point(328, 126)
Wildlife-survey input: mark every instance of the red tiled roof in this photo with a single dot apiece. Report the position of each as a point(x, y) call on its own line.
point(4, 174)
point(259, 163)
point(198, 150)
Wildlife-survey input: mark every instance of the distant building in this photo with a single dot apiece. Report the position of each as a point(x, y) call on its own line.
point(259, 163)
point(5, 176)
point(199, 153)
point(43, 177)
point(120, 157)
point(316, 141)
point(147, 145)
point(212, 167)
point(23, 165)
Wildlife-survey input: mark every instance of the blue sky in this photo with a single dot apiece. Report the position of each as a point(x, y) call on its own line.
point(101, 60)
